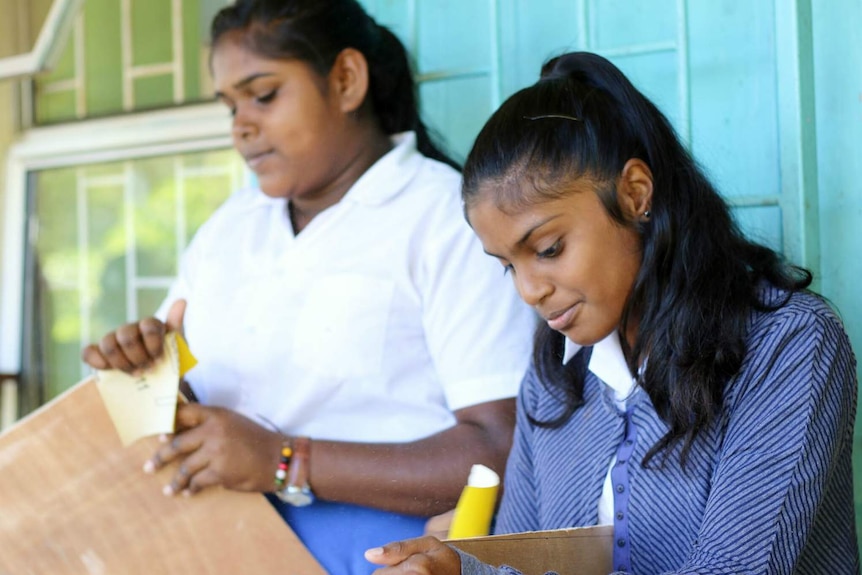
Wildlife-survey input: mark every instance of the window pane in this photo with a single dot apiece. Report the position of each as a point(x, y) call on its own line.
point(128, 56)
point(108, 241)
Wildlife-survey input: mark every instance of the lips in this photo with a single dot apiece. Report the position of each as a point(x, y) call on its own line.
point(561, 320)
point(256, 158)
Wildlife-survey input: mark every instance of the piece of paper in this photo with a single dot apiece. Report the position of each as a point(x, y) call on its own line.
point(146, 403)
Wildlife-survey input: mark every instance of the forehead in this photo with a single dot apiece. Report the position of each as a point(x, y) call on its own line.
point(500, 225)
point(500, 216)
point(233, 62)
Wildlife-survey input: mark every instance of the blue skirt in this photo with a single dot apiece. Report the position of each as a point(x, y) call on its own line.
point(337, 534)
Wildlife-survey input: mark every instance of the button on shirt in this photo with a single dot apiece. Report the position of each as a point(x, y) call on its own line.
point(375, 323)
point(608, 363)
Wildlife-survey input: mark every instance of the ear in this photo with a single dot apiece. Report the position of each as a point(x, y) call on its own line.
point(349, 80)
point(634, 190)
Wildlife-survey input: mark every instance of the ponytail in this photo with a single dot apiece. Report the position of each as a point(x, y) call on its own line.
point(316, 31)
point(394, 96)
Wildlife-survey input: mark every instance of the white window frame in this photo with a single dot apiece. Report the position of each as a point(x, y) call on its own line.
point(180, 130)
point(49, 44)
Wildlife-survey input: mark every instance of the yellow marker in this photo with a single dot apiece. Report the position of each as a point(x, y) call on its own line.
point(476, 505)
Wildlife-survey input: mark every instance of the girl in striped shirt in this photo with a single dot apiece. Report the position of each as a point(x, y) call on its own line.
point(686, 386)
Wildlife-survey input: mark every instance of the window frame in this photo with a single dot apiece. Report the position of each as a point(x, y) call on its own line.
point(49, 44)
point(185, 129)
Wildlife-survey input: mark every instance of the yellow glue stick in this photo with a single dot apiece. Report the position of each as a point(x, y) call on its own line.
point(476, 505)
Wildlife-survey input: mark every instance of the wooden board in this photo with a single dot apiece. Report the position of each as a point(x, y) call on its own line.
point(576, 551)
point(73, 500)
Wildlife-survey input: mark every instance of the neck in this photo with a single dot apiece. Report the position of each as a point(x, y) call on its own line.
point(367, 149)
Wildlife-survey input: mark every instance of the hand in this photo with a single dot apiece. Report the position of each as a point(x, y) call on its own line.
point(438, 526)
point(216, 446)
point(422, 556)
point(135, 345)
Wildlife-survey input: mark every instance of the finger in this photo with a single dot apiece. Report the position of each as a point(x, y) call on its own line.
point(175, 446)
point(153, 336)
point(94, 358)
point(190, 415)
point(176, 314)
point(200, 481)
point(438, 526)
point(188, 469)
point(397, 551)
point(131, 342)
point(113, 353)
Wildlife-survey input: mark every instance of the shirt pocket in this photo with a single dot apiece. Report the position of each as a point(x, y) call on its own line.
point(341, 328)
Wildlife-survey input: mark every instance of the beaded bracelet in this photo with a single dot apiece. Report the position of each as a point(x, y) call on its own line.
point(283, 465)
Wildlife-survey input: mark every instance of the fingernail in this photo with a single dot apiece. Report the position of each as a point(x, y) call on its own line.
point(163, 438)
point(187, 493)
point(149, 466)
point(167, 490)
point(375, 552)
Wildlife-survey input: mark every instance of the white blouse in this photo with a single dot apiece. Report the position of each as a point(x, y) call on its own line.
point(375, 323)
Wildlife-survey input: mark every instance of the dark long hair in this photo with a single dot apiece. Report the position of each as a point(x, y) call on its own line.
point(699, 278)
point(316, 31)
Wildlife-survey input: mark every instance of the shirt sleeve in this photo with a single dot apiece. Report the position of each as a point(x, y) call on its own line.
point(789, 428)
point(472, 566)
point(181, 286)
point(195, 253)
point(478, 331)
point(519, 506)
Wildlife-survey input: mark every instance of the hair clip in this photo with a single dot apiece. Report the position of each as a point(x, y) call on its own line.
point(557, 116)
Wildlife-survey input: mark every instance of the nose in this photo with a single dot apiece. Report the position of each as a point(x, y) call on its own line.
point(243, 126)
point(532, 287)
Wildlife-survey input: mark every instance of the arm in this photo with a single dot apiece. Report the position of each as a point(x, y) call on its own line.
point(787, 443)
point(422, 477)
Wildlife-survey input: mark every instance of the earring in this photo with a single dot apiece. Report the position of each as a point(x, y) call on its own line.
point(647, 214)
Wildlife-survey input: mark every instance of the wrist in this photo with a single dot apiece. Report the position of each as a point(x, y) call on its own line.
point(292, 475)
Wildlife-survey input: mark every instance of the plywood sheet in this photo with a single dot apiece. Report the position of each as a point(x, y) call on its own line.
point(577, 551)
point(73, 500)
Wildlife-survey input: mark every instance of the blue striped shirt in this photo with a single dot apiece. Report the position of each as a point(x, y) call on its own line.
point(767, 488)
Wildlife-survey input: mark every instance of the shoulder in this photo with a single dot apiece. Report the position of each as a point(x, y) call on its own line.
point(798, 347)
point(794, 315)
point(438, 186)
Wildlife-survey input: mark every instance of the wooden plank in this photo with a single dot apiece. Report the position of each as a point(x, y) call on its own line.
point(574, 551)
point(73, 500)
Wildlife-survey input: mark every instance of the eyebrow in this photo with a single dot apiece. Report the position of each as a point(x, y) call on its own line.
point(246, 81)
point(528, 233)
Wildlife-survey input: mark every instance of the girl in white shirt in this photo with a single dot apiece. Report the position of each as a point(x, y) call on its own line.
point(345, 300)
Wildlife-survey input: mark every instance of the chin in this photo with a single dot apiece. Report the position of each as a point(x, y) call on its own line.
point(583, 338)
point(272, 188)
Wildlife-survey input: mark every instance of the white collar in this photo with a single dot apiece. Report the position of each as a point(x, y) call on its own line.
point(389, 175)
point(608, 363)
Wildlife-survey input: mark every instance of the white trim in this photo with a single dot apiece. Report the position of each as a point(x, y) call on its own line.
point(149, 70)
point(80, 67)
point(126, 51)
point(129, 185)
point(177, 130)
point(49, 44)
point(85, 298)
point(179, 78)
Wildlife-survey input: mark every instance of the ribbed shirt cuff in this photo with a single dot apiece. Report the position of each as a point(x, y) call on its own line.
point(472, 566)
